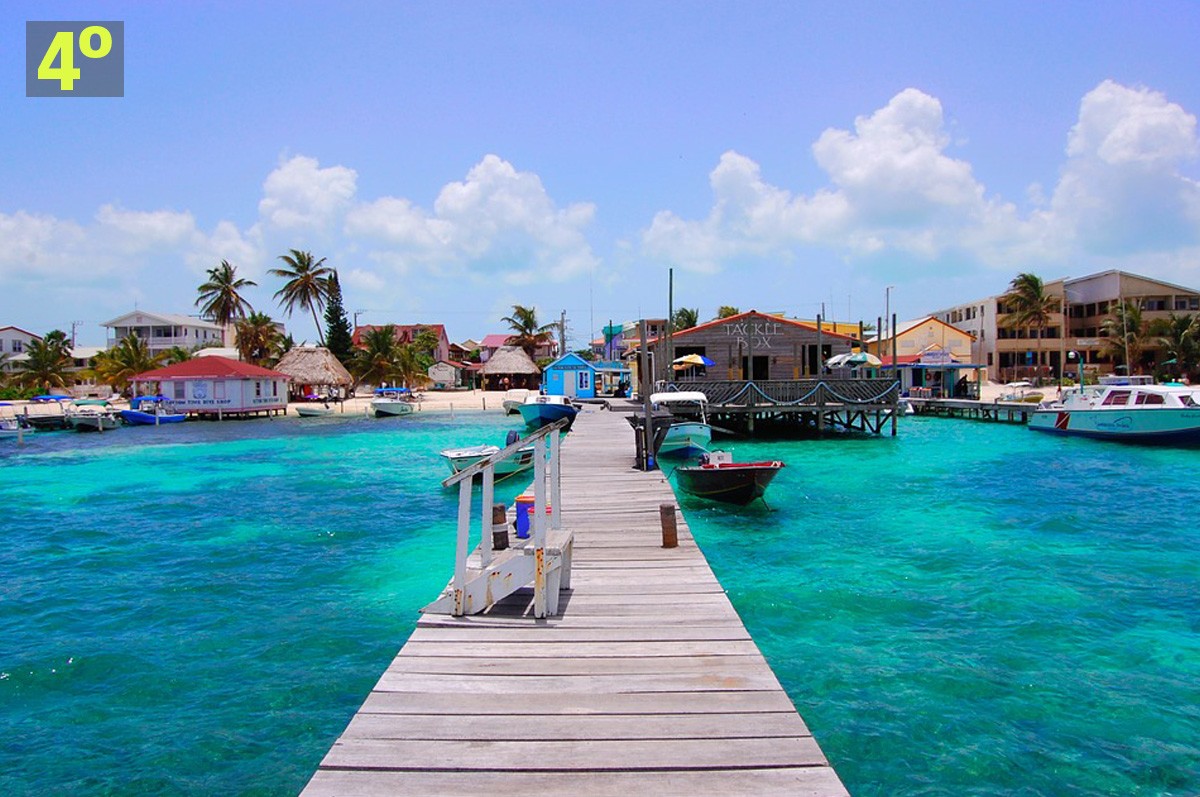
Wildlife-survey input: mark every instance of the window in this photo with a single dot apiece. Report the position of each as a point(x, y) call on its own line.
point(219, 390)
point(1150, 398)
point(177, 390)
point(1116, 398)
point(18, 346)
point(275, 389)
point(258, 389)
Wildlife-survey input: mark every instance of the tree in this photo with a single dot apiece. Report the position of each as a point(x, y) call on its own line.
point(725, 311)
point(131, 356)
point(1029, 306)
point(307, 285)
point(377, 361)
point(1178, 335)
point(47, 362)
point(258, 338)
point(526, 332)
point(176, 354)
point(220, 297)
point(424, 347)
point(339, 338)
point(1125, 335)
point(686, 318)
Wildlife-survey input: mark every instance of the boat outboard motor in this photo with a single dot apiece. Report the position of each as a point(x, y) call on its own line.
point(512, 437)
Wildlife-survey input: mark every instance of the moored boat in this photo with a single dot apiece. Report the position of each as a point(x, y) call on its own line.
point(719, 478)
point(92, 415)
point(685, 436)
point(392, 401)
point(151, 411)
point(513, 399)
point(459, 459)
point(539, 410)
point(1127, 409)
point(313, 410)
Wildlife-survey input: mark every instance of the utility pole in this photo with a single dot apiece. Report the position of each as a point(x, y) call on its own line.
point(74, 324)
point(562, 333)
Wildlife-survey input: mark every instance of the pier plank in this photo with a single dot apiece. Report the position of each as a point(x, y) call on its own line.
point(647, 679)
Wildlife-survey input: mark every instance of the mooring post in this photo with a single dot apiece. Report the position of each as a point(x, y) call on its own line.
point(670, 534)
point(499, 527)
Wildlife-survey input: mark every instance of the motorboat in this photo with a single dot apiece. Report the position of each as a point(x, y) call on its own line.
point(459, 459)
point(151, 411)
point(92, 415)
point(539, 410)
point(1125, 408)
point(685, 436)
point(13, 425)
point(313, 410)
point(1022, 392)
point(48, 421)
point(391, 401)
point(718, 478)
point(513, 399)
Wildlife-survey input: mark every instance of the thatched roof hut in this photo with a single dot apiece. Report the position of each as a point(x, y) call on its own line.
point(314, 366)
point(513, 364)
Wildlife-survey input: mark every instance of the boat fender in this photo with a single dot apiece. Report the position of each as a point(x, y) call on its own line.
point(512, 437)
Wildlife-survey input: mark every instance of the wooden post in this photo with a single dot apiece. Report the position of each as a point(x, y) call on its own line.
point(486, 541)
point(499, 527)
point(647, 382)
point(670, 535)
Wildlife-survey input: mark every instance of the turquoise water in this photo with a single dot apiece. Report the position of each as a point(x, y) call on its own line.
point(965, 609)
point(199, 609)
point(973, 608)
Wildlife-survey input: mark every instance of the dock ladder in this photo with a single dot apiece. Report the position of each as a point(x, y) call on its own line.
point(488, 574)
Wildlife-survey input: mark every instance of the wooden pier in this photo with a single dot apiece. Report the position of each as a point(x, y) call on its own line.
point(646, 680)
point(995, 411)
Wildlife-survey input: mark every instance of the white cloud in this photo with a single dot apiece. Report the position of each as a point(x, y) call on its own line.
point(498, 222)
point(1122, 190)
point(895, 193)
point(299, 194)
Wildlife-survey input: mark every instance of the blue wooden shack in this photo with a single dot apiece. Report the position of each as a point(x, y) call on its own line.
point(571, 375)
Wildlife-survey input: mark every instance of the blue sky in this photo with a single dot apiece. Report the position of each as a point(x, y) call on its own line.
point(452, 159)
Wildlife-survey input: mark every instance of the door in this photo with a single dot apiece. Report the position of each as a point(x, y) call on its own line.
point(761, 366)
point(583, 384)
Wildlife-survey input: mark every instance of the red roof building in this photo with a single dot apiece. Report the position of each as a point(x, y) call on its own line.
point(218, 386)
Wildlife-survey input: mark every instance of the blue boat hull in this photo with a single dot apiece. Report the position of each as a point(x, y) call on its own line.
point(139, 418)
point(538, 415)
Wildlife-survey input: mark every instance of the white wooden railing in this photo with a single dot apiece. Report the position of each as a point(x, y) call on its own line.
point(487, 467)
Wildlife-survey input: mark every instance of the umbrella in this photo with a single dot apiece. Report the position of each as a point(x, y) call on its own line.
point(693, 359)
point(837, 360)
point(864, 358)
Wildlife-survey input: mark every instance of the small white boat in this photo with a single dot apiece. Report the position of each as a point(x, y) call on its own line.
point(513, 399)
point(685, 437)
point(313, 410)
point(13, 427)
point(459, 459)
point(89, 415)
point(1022, 392)
point(1125, 408)
point(392, 401)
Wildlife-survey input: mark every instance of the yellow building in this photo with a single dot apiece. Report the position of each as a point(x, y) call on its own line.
point(930, 357)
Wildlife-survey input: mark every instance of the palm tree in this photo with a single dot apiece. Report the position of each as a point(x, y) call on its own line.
point(258, 338)
point(725, 311)
point(526, 332)
point(130, 357)
point(1125, 334)
point(377, 361)
point(220, 296)
point(1178, 334)
point(1030, 307)
point(47, 362)
point(307, 285)
point(176, 354)
point(685, 318)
